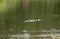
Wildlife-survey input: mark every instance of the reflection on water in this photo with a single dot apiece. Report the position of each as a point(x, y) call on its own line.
point(13, 20)
point(43, 35)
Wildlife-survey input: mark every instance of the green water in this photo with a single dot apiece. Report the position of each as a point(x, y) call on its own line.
point(12, 18)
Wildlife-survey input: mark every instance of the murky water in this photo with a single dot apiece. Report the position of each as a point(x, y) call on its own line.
point(13, 13)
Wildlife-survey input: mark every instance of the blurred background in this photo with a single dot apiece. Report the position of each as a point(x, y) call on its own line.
point(13, 13)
